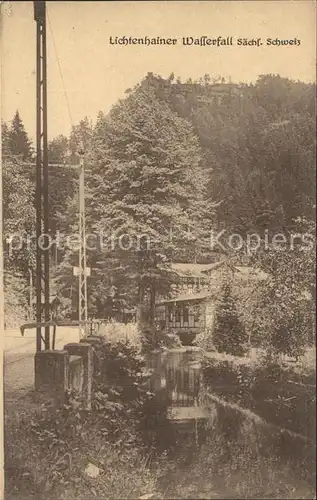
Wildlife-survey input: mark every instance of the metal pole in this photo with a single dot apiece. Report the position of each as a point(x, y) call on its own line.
point(81, 187)
point(45, 189)
point(42, 275)
point(38, 185)
point(84, 248)
point(83, 309)
point(31, 295)
point(2, 327)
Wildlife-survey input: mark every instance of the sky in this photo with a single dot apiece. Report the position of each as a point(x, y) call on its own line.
point(95, 74)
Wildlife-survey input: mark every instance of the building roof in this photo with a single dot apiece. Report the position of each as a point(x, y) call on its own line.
point(186, 298)
point(242, 274)
point(194, 270)
point(251, 272)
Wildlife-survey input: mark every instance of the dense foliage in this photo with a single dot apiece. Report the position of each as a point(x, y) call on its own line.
point(170, 162)
point(229, 335)
point(116, 437)
point(285, 307)
point(18, 220)
point(282, 394)
point(258, 142)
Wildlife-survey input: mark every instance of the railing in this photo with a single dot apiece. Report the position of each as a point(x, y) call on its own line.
point(94, 325)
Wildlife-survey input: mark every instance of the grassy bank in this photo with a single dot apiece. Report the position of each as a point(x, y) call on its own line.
point(125, 448)
point(227, 469)
point(53, 460)
point(49, 452)
point(41, 465)
point(284, 394)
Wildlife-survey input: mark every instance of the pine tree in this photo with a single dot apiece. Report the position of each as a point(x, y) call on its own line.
point(258, 142)
point(58, 149)
point(5, 139)
point(81, 135)
point(19, 224)
point(229, 335)
point(18, 138)
point(146, 181)
point(61, 179)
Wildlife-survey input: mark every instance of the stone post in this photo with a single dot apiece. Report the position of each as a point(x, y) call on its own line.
point(51, 375)
point(85, 351)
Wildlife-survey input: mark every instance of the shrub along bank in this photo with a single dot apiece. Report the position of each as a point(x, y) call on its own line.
point(118, 450)
point(73, 453)
point(281, 394)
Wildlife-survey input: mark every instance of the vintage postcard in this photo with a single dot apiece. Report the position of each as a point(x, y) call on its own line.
point(158, 249)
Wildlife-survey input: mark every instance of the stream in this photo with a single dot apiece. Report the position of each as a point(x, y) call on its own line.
point(215, 451)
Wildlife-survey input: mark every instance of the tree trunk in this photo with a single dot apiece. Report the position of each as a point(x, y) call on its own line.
point(141, 316)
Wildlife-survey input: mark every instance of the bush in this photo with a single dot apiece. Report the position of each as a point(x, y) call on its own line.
point(154, 337)
point(50, 450)
point(47, 457)
point(114, 332)
point(275, 392)
point(204, 340)
point(290, 335)
point(229, 335)
point(121, 385)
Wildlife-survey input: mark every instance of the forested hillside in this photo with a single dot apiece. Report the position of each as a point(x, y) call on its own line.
point(172, 161)
point(257, 142)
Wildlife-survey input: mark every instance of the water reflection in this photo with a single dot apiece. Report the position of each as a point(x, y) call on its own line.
point(178, 373)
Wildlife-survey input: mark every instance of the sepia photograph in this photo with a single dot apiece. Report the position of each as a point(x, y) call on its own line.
point(157, 251)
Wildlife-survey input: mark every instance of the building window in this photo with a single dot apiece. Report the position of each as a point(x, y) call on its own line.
point(197, 315)
point(178, 315)
point(194, 315)
point(185, 314)
point(191, 318)
point(170, 314)
point(160, 314)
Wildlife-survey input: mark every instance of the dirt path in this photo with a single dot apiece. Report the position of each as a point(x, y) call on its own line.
point(18, 377)
point(19, 368)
